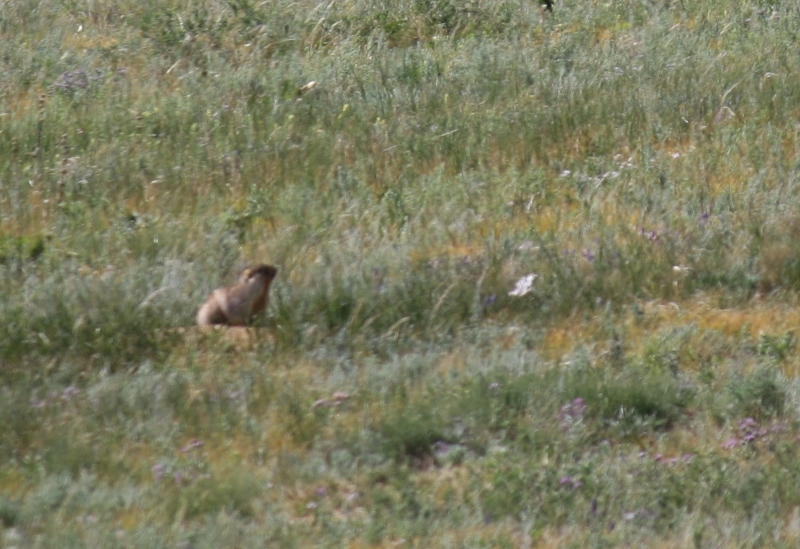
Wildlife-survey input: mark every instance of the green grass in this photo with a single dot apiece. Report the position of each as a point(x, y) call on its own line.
point(639, 158)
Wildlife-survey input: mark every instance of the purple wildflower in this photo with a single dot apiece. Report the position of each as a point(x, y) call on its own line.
point(571, 413)
point(747, 423)
point(158, 471)
point(778, 427)
point(570, 482)
point(730, 444)
point(70, 392)
point(69, 81)
point(652, 236)
point(440, 447)
point(235, 395)
point(750, 430)
point(685, 458)
point(192, 444)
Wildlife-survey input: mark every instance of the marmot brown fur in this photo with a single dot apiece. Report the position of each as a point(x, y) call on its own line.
point(237, 305)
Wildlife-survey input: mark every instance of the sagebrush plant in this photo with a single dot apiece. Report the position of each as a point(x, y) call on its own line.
point(537, 273)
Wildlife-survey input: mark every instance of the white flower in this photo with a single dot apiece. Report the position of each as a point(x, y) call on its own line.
point(524, 285)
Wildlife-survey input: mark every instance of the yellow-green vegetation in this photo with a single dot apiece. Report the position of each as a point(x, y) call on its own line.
point(407, 166)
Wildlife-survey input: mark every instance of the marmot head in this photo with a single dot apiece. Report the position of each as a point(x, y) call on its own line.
point(265, 272)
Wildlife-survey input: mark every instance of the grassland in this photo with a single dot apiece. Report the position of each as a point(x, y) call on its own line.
point(638, 157)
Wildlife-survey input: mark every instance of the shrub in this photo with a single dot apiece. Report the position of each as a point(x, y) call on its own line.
point(9, 511)
point(410, 433)
point(628, 401)
point(758, 394)
point(230, 489)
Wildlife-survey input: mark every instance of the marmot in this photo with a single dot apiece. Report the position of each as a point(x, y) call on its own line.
point(237, 305)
